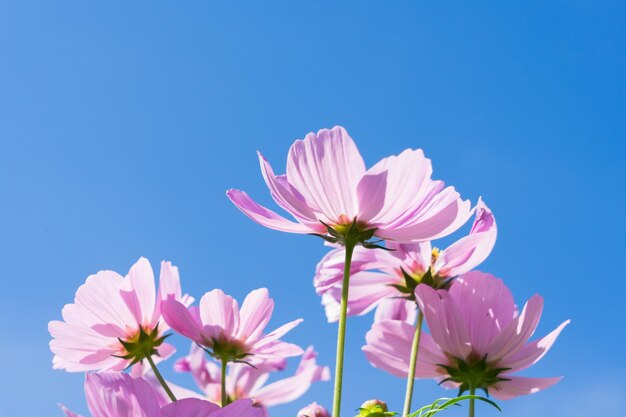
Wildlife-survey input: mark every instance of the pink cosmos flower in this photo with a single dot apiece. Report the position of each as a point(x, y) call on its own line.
point(326, 181)
point(378, 275)
point(109, 308)
point(244, 381)
point(120, 395)
point(313, 410)
point(232, 334)
point(476, 337)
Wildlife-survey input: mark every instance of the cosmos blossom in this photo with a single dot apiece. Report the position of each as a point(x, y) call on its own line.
point(378, 275)
point(120, 395)
point(110, 313)
point(326, 181)
point(231, 333)
point(245, 381)
point(477, 339)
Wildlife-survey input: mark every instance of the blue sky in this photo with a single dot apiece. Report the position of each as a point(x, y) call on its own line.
point(122, 124)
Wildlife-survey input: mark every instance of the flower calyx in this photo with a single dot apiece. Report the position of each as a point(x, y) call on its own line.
point(143, 345)
point(351, 234)
point(411, 281)
point(226, 351)
point(473, 374)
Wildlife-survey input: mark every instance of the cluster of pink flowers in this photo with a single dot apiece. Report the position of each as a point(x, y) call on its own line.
point(381, 223)
point(119, 323)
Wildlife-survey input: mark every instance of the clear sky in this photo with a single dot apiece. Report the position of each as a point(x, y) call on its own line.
point(123, 123)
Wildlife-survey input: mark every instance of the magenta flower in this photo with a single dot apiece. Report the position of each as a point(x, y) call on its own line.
point(120, 395)
point(378, 275)
point(326, 181)
point(477, 338)
point(111, 315)
point(230, 333)
point(313, 410)
point(244, 381)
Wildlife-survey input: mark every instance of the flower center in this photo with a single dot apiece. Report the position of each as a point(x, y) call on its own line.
point(434, 256)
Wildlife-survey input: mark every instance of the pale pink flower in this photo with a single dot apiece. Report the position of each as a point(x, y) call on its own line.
point(476, 334)
point(326, 181)
point(120, 395)
point(230, 333)
point(109, 308)
point(245, 381)
point(313, 410)
point(377, 274)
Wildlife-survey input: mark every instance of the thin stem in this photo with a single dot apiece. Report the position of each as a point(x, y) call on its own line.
point(224, 396)
point(411, 379)
point(471, 406)
point(341, 332)
point(160, 378)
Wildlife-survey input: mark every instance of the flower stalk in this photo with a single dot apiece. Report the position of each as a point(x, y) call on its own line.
point(472, 400)
point(160, 378)
point(223, 382)
point(413, 362)
point(341, 332)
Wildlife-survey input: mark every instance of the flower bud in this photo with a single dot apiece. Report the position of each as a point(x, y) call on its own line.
point(374, 408)
point(313, 410)
point(374, 405)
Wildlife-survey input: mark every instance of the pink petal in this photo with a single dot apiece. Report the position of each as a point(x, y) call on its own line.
point(532, 352)
point(276, 334)
point(120, 395)
point(98, 301)
point(140, 281)
point(441, 214)
point(329, 271)
point(288, 389)
point(275, 350)
point(180, 319)
point(402, 179)
point(396, 309)
point(372, 193)
point(286, 196)
point(221, 310)
point(189, 407)
point(486, 305)
point(204, 373)
point(367, 290)
point(325, 168)
point(515, 335)
point(256, 312)
point(78, 348)
point(285, 390)
point(470, 251)
point(264, 216)
point(239, 408)
point(68, 412)
point(445, 321)
point(518, 386)
point(169, 281)
point(388, 348)
point(412, 257)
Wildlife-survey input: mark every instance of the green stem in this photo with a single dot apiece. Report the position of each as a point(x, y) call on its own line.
point(160, 378)
point(411, 379)
point(224, 395)
point(341, 332)
point(471, 405)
